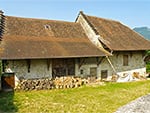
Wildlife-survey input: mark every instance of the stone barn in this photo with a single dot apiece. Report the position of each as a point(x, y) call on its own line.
point(38, 48)
point(90, 46)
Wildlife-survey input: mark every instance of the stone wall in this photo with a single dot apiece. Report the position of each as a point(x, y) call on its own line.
point(85, 67)
point(38, 69)
point(136, 63)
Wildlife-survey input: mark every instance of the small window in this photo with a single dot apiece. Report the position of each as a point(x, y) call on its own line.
point(104, 74)
point(125, 60)
point(81, 71)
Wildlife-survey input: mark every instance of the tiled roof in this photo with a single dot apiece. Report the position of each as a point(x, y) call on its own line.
point(117, 36)
point(26, 38)
point(42, 28)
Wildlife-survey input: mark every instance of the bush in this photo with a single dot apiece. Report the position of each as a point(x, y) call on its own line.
point(148, 67)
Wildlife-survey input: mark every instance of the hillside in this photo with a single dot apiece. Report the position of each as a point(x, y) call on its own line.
point(144, 31)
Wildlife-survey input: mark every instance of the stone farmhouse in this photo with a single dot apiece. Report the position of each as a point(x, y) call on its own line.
point(90, 46)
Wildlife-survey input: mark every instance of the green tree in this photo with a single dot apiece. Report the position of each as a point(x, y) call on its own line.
point(148, 62)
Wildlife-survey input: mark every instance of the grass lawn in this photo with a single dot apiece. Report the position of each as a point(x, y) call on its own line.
point(86, 99)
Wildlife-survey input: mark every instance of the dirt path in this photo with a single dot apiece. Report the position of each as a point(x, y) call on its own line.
point(140, 105)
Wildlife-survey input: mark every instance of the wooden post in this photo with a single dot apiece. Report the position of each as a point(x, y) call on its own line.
point(111, 65)
point(50, 67)
point(76, 67)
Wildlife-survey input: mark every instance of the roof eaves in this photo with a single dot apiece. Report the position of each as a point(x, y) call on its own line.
point(18, 58)
point(130, 49)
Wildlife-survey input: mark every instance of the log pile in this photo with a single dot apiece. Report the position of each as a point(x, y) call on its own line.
point(138, 76)
point(35, 84)
point(114, 78)
point(69, 82)
point(43, 84)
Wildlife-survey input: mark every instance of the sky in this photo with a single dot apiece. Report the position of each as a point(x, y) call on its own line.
point(133, 13)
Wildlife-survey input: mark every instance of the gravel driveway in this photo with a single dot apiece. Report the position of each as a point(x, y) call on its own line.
point(140, 105)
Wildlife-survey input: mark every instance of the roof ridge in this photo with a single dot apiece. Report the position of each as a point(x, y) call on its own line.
point(28, 18)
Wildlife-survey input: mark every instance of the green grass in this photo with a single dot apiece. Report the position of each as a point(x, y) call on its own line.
point(86, 99)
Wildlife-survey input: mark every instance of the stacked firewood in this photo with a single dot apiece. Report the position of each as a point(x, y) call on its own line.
point(69, 82)
point(138, 76)
point(35, 84)
point(58, 82)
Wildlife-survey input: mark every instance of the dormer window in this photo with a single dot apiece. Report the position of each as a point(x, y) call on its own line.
point(47, 26)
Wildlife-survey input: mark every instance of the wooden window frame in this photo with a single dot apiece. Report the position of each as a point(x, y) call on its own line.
point(125, 60)
point(104, 74)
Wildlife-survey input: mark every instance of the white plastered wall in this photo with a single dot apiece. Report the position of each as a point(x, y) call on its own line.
point(89, 31)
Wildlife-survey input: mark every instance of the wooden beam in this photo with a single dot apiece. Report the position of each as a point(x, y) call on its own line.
point(48, 64)
point(81, 62)
point(28, 64)
point(111, 65)
point(99, 60)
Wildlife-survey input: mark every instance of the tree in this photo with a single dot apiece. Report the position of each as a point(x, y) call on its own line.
point(148, 61)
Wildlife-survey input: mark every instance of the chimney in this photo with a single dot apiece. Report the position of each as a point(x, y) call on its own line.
point(1, 24)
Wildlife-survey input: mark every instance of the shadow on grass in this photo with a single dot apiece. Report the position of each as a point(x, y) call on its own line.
point(7, 102)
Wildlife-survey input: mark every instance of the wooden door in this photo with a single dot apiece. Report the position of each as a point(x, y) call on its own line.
point(104, 74)
point(93, 74)
point(93, 71)
point(63, 67)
